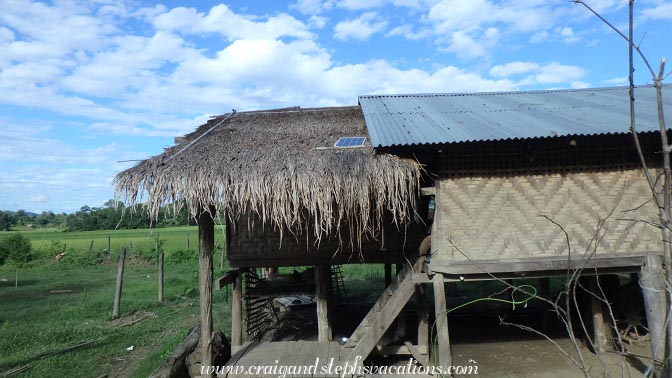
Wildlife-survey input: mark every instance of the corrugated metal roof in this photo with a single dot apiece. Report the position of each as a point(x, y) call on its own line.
point(401, 120)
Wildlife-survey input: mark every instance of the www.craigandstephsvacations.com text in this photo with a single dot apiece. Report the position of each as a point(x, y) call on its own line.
point(348, 369)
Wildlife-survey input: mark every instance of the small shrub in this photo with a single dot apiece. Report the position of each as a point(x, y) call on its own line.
point(15, 248)
point(181, 256)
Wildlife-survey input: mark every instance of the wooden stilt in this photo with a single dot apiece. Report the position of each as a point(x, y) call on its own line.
point(388, 275)
point(652, 282)
point(423, 317)
point(237, 312)
point(545, 292)
point(599, 337)
point(206, 243)
point(401, 318)
point(322, 278)
point(443, 355)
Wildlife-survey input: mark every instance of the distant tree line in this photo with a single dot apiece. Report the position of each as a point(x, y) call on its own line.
point(110, 216)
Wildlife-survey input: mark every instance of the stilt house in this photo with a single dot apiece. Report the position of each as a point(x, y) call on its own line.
point(509, 184)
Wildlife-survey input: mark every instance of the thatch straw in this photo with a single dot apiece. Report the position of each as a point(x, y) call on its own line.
point(267, 163)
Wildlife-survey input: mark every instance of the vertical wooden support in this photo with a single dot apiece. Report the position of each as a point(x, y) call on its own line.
point(16, 279)
point(599, 338)
point(206, 243)
point(388, 275)
point(545, 292)
point(91, 247)
point(156, 248)
point(401, 318)
point(237, 312)
point(120, 283)
point(652, 282)
point(423, 317)
point(322, 279)
point(109, 243)
point(188, 239)
point(442, 356)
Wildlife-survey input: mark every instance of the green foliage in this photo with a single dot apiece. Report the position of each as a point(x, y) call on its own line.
point(182, 256)
point(15, 248)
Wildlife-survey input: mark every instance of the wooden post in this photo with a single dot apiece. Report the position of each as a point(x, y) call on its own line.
point(388, 275)
point(599, 338)
point(91, 247)
point(401, 318)
point(16, 279)
point(237, 312)
point(156, 248)
point(442, 356)
point(206, 242)
point(120, 283)
point(322, 278)
point(423, 317)
point(652, 282)
point(65, 245)
point(109, 243)
point(188, 239)
point(544, 292)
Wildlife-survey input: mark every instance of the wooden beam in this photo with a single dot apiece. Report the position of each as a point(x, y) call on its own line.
point(237, 310)
point(226, 279)
point(206, 244)
point(538, 264)
point(652, 282)
point(322, 279)
point(443, 354)
point(428, 191)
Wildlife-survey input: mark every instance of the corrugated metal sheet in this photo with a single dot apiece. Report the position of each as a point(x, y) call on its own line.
point(401, 120)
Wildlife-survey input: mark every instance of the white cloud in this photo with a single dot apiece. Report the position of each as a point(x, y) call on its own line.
point(359, 28)
point(513, 68)
point(313, 6)
point(466, 47)
point(555, 73)
point(662, 11)
point(407, 32)
point(220, 19)
point(40, 198)
point(617, 81)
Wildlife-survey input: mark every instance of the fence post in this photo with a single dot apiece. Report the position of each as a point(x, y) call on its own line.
point(120, 282)
point(109, 243)
point(156, 248)
point(16, 279)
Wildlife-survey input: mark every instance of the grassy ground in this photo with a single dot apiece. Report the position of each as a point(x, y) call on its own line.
point(55, 309)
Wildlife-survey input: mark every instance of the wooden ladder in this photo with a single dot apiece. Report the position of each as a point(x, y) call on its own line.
point(382, 314)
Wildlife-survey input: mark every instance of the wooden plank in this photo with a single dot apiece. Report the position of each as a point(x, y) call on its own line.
point(238, 356)
point(385, 318)
point(322, 352)
point(551, 263)
point(335, 351)
point(206, 243)
point(226, 279)
point(295, 358)
point(322, 281)
point(443, 342)
point(237, 311)
point(402, 350)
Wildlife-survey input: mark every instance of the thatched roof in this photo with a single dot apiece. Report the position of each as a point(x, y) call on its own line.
point(281, 165)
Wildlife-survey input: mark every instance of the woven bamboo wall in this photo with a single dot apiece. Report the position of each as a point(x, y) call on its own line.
point(256, 246)
point(499, 217)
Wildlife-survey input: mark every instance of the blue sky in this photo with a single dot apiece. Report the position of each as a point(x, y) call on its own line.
point(86, 86)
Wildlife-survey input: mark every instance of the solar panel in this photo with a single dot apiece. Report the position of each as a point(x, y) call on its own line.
point(345, 142)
